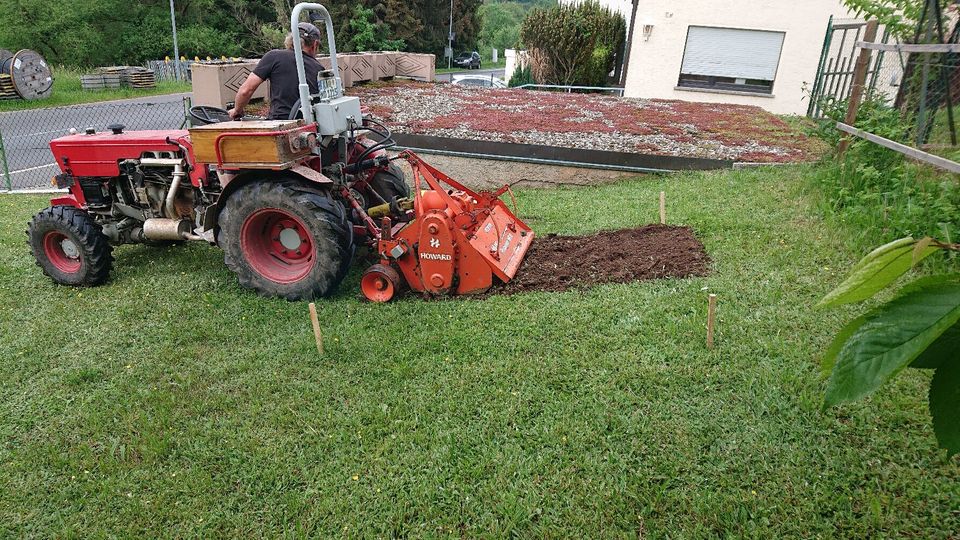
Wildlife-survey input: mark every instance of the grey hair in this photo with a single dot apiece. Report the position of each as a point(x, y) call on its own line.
point(304, 42)
point(288, 42)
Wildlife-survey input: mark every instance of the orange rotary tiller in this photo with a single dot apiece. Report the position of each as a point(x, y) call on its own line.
point(457, 241)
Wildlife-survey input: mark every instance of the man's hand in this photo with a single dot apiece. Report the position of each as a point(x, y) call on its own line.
point(244, 94)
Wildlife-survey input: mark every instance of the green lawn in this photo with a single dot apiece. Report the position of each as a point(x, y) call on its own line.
point(170, 402)
point(68, 91)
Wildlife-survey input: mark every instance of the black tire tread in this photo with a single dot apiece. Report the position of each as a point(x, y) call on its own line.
point(324, 211)
point(390, 182)
point(97, 253)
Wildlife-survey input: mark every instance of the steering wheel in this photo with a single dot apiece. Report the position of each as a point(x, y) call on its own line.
point(204, 114)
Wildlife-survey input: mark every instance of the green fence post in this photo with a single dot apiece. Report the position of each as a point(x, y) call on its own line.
point(6, 168)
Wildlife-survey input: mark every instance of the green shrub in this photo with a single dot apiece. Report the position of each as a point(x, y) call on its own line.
point(521, 75)
point(575, 44)
point(875, 190)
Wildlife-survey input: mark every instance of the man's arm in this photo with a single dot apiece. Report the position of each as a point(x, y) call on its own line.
point(244, 94)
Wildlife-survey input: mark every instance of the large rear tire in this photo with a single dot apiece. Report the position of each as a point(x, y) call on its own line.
point(70, 246)
point(286, 239)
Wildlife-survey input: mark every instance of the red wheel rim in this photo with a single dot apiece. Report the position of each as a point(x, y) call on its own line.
point(277, 245)
point(62, 252)
point(377, 287)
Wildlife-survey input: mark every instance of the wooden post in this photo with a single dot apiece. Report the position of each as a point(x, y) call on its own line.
point(859, 78)
point(663, 208)
point(711, 316)
point(316, 327)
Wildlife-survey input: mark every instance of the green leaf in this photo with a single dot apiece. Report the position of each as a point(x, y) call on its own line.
point(892, 336)
point(878, 269)
point(946, 346)
point(945, 405)
point(830, 357)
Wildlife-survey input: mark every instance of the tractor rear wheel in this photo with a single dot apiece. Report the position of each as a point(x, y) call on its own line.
point(389, 183)
point(286, 239)
point(70, 246)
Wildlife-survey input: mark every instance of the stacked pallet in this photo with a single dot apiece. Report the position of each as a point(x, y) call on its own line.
point(141, 77)
point(119, 77)
point(7, 91)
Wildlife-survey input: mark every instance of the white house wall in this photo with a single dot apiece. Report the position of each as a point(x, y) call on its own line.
point(655, 61)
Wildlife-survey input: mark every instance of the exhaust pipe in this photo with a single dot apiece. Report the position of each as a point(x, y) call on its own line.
point(178, 173)
point(166, 229)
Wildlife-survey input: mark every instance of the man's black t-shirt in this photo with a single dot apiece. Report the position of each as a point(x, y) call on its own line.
point(280, 66)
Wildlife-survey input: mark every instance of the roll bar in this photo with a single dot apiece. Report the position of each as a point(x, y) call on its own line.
point(304, 88)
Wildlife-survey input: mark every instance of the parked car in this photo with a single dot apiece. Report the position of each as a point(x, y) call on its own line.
point(486, 81)
point(469, 60)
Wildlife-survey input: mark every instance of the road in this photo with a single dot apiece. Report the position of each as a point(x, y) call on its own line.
point(27, 134)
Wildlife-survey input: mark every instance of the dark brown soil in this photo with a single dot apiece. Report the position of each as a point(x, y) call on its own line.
point(560, 263)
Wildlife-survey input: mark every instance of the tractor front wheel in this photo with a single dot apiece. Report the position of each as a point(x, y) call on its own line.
point(70, 246)
point(286, 239)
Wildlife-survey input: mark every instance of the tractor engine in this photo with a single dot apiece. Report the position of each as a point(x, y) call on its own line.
point(138, 186)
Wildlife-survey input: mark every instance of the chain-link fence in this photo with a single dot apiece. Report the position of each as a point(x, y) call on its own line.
point(918, 102)
point(928, 99)
point(25, 158)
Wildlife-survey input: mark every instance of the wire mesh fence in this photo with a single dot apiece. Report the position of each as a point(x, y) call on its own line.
point(915, 102)
point(26, 162)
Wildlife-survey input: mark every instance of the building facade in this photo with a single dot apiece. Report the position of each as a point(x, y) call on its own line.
point(755, 52)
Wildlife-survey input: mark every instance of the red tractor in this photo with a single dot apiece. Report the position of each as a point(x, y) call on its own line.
point(287, 201)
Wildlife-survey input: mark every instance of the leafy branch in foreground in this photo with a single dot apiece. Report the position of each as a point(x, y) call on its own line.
point(919, 328)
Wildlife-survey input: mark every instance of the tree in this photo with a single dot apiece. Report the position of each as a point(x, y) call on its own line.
point(500, 23)
point(365, 35)
point(899, 16)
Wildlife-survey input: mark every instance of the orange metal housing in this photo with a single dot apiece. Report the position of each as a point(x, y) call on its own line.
point(458, 241)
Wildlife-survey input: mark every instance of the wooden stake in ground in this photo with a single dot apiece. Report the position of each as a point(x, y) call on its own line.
point(859, 79)
point(711, 316)
point(663, 207)
point(316, 327)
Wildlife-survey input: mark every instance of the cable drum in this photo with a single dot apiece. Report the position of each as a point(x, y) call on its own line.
point(29, 74)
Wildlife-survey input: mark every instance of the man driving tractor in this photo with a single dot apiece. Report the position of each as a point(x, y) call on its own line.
point(280, 67)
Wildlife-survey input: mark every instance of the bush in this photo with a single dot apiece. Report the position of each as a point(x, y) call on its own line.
point(878, 193)
point(574, 44)
point(521, 75)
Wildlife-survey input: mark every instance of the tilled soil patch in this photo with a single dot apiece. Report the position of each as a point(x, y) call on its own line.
point(560, 263)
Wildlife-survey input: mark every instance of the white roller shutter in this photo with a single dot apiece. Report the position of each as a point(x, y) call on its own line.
point(729, 52)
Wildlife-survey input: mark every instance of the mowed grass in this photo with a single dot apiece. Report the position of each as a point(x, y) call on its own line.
point(67, 90)
point(172, 403)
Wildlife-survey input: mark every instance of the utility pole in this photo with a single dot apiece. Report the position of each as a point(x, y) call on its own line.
point(176, 49)
point(449, 38)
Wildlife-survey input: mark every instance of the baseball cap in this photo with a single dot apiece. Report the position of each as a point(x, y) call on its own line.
point(309, 32)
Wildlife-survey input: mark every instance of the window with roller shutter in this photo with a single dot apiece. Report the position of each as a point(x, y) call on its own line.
point(731, 59)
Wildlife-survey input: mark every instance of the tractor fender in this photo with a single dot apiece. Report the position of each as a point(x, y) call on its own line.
point(298, 172)
point(66, 200)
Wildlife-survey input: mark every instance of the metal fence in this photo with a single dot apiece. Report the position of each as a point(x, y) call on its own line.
point(837, 58)
point(26, 162)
